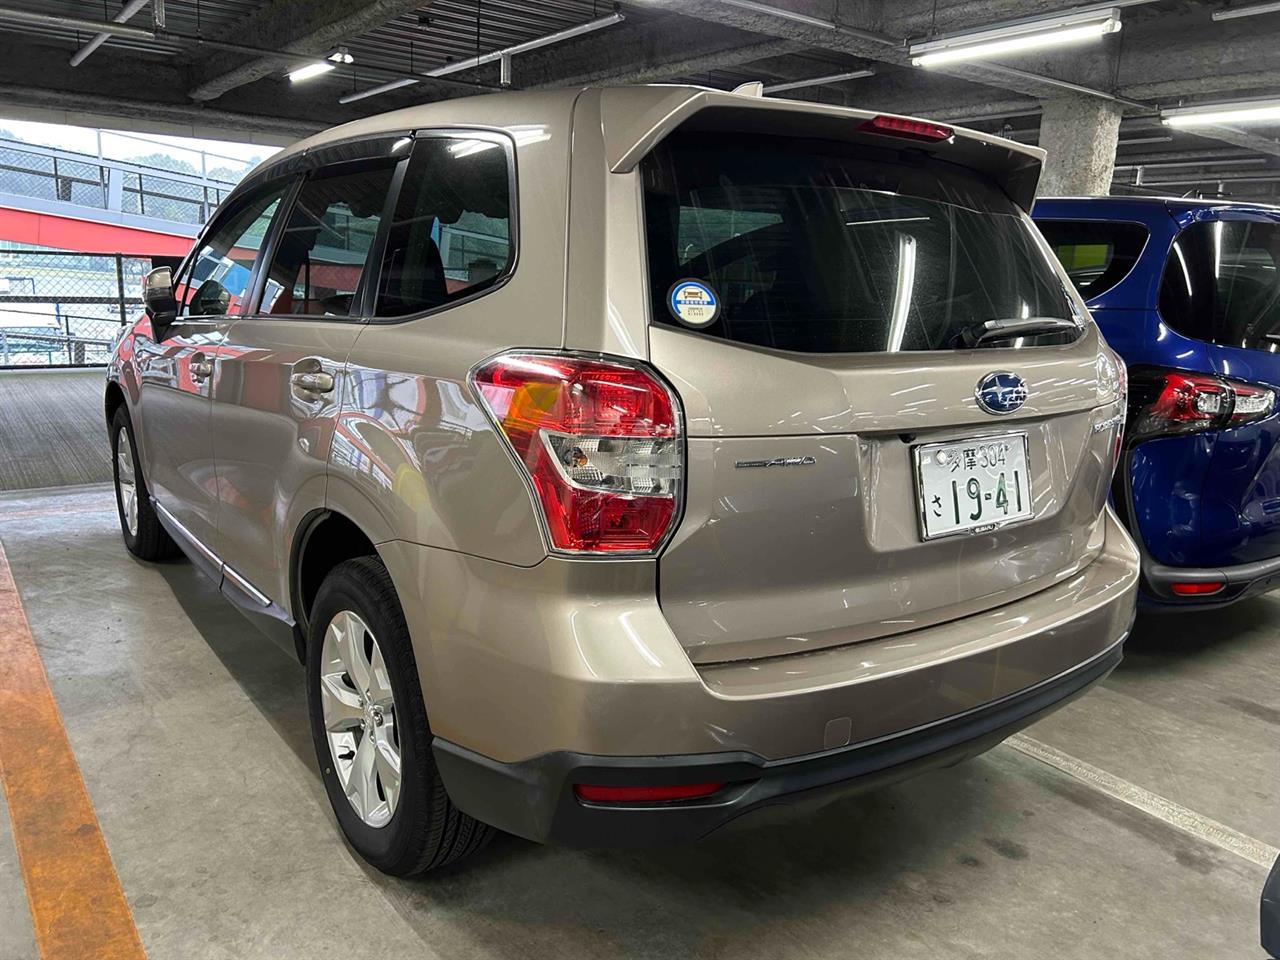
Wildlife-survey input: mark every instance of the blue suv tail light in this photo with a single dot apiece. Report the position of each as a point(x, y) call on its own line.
point(1167, 402)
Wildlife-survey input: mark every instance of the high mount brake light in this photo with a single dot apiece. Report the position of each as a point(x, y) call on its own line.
point(599, 439)
point(1170, 402)
point(907, 128)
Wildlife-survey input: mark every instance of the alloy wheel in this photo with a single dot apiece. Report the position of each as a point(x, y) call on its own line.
point(126, 482)
point(360, 718)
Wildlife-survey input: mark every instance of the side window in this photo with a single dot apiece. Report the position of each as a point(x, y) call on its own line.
point(322, 250)
point(1221, 283)
point(1097, 254)
point(451, 235)
point(217, 279)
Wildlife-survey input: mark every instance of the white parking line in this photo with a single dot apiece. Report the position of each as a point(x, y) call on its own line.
point(1174, 814)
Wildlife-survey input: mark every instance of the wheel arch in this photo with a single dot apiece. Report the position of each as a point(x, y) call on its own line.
point(325, 538)
point(113, 399)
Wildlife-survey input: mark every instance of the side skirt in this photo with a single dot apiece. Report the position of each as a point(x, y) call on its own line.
point(269, 617)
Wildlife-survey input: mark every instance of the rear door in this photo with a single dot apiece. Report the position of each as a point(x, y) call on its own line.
point(284, 364)
point(177, 373)
point(811, 303)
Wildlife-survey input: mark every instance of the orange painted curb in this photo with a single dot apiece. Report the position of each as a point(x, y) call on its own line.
point(78, 909)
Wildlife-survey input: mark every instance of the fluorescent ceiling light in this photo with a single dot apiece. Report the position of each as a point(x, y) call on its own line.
point(1215, 114)
point(310, 70)
point(1016, 37)
point(342, 55)
point(1231, 13)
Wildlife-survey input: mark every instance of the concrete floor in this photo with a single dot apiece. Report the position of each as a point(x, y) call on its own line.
point(191, 736)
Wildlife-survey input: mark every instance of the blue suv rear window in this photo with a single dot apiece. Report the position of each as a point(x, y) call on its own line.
point(1221, 283)
point(1097, 254)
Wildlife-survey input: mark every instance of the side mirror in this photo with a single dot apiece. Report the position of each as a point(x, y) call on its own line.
point(158, 299)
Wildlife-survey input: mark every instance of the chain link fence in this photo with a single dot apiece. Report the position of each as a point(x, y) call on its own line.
point(65, 309)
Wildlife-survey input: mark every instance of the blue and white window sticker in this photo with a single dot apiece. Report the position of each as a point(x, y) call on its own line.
point(693, 303)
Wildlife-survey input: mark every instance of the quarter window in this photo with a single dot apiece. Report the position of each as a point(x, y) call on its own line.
point(217, 280)
point(1097, 254)
point(321, 254)
point(1221, 283)
point(451, 234)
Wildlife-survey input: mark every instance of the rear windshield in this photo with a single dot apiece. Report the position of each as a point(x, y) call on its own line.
point(1221, 283)
point(1097, 254)
point(830, 248)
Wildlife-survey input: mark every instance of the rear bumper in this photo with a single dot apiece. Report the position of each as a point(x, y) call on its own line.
point(535, 798)
point(539, 678)
point(1245, 580)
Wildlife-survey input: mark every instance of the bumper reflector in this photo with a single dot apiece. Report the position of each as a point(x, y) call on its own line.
point(686, 791)
point(1197, 589)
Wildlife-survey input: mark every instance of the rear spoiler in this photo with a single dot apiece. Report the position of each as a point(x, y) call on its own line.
point(636, 119)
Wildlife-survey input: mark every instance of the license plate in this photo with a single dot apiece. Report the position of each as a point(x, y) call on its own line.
point(972, 485)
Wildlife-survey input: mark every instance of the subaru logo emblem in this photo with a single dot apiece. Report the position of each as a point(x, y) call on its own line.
point(1001, 392)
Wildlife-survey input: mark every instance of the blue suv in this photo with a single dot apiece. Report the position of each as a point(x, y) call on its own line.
point(1188, 293)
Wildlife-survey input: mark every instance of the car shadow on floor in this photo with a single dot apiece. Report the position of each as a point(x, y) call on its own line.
point(271, 678)
point(1166, 641)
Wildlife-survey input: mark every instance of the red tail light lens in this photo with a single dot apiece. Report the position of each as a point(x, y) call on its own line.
point(689, 791)
point(600, 440)
point(905, 127)
point(1168, 402)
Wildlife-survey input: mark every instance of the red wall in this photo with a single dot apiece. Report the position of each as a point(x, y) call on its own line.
point(86, 236)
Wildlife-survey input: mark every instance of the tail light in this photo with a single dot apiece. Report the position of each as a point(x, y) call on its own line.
point(907, 128)
point(1169, 402)
point(600, 441)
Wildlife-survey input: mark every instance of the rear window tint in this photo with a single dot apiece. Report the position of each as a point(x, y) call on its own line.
point(451, 235)
point(1221, 283)
point(1097, 254)
point(320, 257)
point(815, 247)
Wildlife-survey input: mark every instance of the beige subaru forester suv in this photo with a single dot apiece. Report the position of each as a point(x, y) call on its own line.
point(623, 460)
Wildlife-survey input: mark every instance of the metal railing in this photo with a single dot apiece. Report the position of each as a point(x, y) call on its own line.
point(65, 309)
point(47, 173)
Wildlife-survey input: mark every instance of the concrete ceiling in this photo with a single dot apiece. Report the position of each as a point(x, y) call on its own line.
point(217, 68)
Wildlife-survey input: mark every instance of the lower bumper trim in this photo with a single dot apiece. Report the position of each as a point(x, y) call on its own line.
point(1243, 580)
point(535, 799)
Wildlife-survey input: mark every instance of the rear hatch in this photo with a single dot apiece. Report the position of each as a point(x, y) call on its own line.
point(814, 304)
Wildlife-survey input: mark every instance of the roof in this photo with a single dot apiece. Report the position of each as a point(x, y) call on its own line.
point(1174, 204)
point(635, 118)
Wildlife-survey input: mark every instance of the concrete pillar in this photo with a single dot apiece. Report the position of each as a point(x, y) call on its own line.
point(1079, 133)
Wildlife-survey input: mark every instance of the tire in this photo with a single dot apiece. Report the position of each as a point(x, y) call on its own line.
point(420, 829)
point(144, 537)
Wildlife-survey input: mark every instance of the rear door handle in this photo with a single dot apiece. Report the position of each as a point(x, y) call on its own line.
point(310, 378)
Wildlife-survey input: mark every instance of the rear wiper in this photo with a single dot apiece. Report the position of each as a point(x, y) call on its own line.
point(976, 333)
